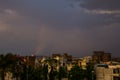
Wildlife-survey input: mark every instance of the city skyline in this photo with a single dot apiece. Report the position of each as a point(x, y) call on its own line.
point(43, 27)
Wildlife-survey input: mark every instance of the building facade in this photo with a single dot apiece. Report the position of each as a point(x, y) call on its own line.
point(101, 56)
point(107, 72)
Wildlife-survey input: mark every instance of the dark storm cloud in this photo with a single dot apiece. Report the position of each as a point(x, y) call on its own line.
point(97, 12)
point(48, 26)
point(37, 12)
point(100, 4)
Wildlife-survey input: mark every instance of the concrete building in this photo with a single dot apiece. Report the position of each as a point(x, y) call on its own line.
point(107, 72)
point(82, 63)
point(101, 56)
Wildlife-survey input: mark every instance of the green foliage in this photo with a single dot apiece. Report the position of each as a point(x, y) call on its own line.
point(76, 73)
point(31, 73)
point(45, 72)
point(90, 75)
point(52, 73)
point(38, 73)
point(62, 73)
point(6, 63)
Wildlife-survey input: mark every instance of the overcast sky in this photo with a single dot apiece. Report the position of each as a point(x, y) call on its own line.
point(43, 27)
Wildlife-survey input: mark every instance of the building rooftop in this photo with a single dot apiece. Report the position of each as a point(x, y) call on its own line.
point(102, 65)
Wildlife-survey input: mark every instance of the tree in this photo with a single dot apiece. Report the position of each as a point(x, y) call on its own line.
point(90, 75)
point(76, 73)
point(6, 63)
point(38, 73)
point(17, 70)
point(28, 73)
point(3, 66)
point(45, 72)
point(52, 62)
point(52, 73)
point(62, 73)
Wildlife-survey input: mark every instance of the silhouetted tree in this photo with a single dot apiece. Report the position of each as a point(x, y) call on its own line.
point(76, 73)
point(45, 72)
point(52, 74)
point(7, 62)
point(38, 73)
point(62, 73)
point(90, 75)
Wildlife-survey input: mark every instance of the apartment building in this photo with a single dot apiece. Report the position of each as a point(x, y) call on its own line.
point(101, 56)
point(107, 72)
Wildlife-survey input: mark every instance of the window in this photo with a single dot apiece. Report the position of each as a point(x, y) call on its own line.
point(116, 71)
point(116, 78)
